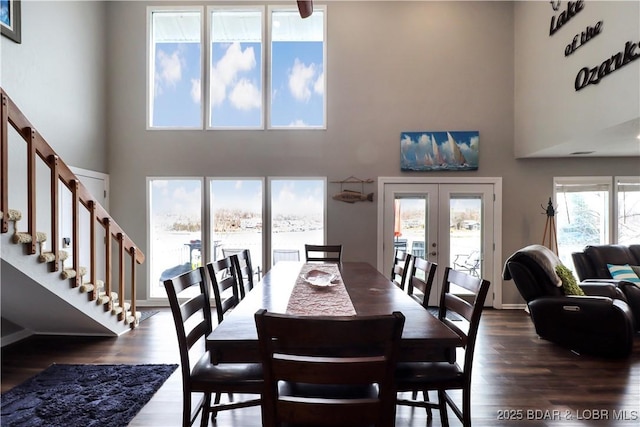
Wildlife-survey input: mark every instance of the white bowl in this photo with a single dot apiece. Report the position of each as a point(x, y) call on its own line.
point(319, 278)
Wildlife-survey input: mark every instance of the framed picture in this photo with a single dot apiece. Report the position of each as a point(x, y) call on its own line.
point(439, 151)
point(10, 19)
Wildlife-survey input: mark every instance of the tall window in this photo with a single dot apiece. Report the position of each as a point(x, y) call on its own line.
point(238, 63)
point(297, 216)
point(236, 71)
point(175, 229)
point(175, 69)
point(297, 70)
point(595, 211)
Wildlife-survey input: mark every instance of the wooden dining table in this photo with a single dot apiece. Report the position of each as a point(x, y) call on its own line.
point(424, 336)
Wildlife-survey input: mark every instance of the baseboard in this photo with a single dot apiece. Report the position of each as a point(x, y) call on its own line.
point(514, 307)
point(15, 337)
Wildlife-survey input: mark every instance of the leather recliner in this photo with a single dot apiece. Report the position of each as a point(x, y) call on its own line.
point(599, 323)
point(591, 266)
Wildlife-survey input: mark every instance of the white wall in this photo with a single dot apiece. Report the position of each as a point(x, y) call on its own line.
point(551, 117)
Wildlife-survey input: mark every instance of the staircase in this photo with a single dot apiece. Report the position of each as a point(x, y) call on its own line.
point(50, 291)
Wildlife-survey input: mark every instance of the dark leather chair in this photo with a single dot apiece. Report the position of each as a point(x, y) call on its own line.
point(599, 323)
point(591, 266)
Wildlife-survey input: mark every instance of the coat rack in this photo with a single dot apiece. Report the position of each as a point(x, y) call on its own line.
point(550, 228)
point(352, 196)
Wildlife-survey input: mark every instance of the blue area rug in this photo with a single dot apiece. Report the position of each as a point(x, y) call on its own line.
point(83, 395)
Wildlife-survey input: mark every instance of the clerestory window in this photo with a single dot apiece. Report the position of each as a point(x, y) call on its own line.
point(236, 67)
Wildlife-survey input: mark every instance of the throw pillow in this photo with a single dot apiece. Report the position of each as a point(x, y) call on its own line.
point(624, 272)
point(569, 282)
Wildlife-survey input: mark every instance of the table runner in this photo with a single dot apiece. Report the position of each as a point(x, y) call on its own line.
point(308, 300)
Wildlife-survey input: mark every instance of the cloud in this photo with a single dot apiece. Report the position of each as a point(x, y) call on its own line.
point(245, 96)
point(318, 87)
point(301, 79)
point(298, 123)
point(169, 68)
point(196, 90)
point(225, 73)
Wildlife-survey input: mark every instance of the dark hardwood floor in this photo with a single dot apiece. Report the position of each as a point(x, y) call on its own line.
point(518, 379)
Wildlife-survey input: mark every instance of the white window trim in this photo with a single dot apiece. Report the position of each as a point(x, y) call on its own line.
point(616, 203)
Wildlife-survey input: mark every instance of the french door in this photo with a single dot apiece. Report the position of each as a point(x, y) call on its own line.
point(451, 224)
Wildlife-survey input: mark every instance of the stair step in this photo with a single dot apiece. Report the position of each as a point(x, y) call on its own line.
point(90, 287)
point(103, 298)
point(70, 273)
point(50, 257)
point(14, 215)
point(117, 309)
point(22, 237)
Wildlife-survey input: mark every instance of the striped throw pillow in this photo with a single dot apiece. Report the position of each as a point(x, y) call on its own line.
point(624, 272)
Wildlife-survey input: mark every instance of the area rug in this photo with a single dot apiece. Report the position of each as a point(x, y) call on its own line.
point(83, 395)
point(144, 315)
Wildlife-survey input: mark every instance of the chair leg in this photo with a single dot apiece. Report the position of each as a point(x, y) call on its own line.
point(216, 401)
point(206, 410)
point(442, 403)
point(186, 409)
point(466, 407)
point(425, 394)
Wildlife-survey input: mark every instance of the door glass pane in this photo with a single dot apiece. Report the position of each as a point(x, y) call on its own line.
point(297, 216)
point(628, 193)
point(465, 233)
point(175, 218)
point(409, 232)
point(236, 216)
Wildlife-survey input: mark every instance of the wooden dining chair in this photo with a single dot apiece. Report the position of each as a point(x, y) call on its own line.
point(421, 278)
point(400, 268)
point(444, 376)
point(323, 253)
point(244, 270)
point(193, 323)
point(328, 371)
point(285, 255)
point(224, 278)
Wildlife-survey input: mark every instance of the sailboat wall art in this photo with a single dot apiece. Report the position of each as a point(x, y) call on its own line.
point(439, 151)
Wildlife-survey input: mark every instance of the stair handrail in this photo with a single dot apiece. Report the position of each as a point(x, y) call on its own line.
point(38, 146)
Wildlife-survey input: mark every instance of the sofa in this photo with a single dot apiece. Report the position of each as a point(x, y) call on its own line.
point(591, 266)
point(599, 323)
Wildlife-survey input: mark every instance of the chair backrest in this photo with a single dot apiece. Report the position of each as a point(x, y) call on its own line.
point(422, 274)
point(192, 317)
point(224, 279)
point(244, 268)
point(468, 306)
point(326, 362)
point(323, 253)
point(400, 268)
point(532, 269)
point(285, 255)
point(417, 248)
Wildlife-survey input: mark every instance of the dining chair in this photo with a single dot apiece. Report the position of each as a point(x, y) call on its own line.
point(224, 278)
point(400, 268)
point(421, 278)
point(244, 269)
point(323, 253)
point(285, 255)
point(444, 376)
point(328, 371)
point(193, 323)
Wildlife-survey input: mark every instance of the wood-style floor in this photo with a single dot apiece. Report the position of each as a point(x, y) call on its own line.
point(518, 379)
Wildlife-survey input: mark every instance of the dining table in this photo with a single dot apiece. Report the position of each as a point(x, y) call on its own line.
point(357, 289)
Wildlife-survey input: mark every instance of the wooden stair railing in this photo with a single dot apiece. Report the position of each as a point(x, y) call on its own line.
point(37, 147)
